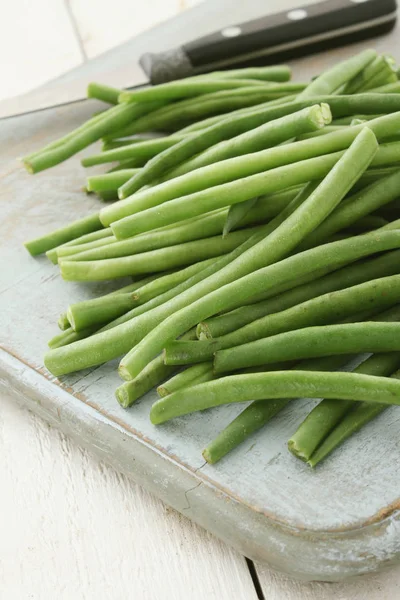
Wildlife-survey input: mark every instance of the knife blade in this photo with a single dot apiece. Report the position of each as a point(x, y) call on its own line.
point(297, 30)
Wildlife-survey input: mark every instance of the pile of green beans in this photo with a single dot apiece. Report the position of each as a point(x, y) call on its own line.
point(260, 219)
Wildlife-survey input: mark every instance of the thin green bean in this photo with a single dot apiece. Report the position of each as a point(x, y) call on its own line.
point(276, 384)
point(104, 93)
point(186, 378)
point(141, 151)
point(339, 74)
point(109, 181)
point(64, 234)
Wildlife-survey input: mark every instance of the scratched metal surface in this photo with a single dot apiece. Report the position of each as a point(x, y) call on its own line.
point(341, 520)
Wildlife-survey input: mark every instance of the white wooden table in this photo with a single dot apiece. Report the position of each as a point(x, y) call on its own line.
point(71, 527)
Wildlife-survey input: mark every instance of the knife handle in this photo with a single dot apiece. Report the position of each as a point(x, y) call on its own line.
point(263, 40)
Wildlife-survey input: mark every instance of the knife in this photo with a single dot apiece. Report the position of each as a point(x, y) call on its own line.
point(298, 30)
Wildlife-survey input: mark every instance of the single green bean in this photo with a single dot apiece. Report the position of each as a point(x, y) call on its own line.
point(188, 377)
point(89, 237)
point(204, 123)
point(236, 213)
point(339, 74)
point(266, 135)
point(322, 310)
point(164, 283)
point(352, 275)
point(184, 88)
point(109, 181)
point(64, 234)
point(63, 322)
point(351, 423)
point(120, 339)
point(234, 125)
point(268, 73)
point(104, 93)
point(69, 336)
point(327, 414)
point(276, 384)
point(99, 310)
point(389, 88)
point(154, 260)
point(311, 342)
point(141, 151)
point(71, 251)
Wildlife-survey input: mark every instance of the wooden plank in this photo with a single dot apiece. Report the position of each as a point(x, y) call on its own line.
point(37, 43)
point(73, 527)
point(379, 586)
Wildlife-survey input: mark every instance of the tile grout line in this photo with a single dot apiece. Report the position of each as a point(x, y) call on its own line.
point(255, 579)
point(75, 30)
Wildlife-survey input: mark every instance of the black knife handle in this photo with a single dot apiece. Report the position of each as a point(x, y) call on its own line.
point(262, 40)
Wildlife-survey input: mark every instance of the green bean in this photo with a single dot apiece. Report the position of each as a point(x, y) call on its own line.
point(130, 391)
point(117, 116)
point(268, 73)
point(233, 126)
point(259, 138)
point(184, 88)
point(236, 214)
point(186, 378)
point(372, 175)
point(347, 120)
point(207, 122)
point(121, 338)
point(327, 414)
point(63, 322)
point(311, 342)
point(99, 310)
point(389, 88)
point(258, 413)
point(351, 423)
point(71, 252)
point(141, 151)
point(69, 336)
point(109, 181)
point(230, 193)
point(64, 234)
point(164, 283)
point(339, 74)
point(322, 310)
point(271, 249)
point(324, 131)
point(352, 275)
point(153, 261)
point(155, 373)
point(103, 92)
point(352, 209)
point(356, 83)
point(276, 384)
